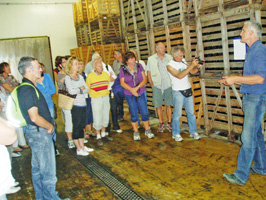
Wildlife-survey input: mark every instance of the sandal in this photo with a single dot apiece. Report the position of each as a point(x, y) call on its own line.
point(16, 149)
point(24, 146)
point(92, 134)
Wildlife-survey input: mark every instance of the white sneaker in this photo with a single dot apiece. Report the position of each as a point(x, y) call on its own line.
point(195, 136)
point(119, 131)
point(15, 154)
point(85, 140)
point(87, 149)
point(71, 144)
point(16, 184)
point(149, 134)
point(103, 134)
point(178, 138)
point(136, 136)
point(82, 153)
point(13, 190)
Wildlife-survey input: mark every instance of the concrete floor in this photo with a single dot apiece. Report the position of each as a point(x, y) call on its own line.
point(156, 169)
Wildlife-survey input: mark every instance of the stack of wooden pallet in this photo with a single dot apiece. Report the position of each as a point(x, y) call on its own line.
point(97, 25)
point(216, 32)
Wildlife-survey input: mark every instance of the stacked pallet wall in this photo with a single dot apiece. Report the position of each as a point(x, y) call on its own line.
point(224, 106)
point(106, 51)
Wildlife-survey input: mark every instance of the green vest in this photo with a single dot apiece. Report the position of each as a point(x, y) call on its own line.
point(155, 71)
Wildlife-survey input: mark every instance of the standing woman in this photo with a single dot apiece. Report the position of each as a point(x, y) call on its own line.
point(46, 86)
point(9, 83)
point(133, 80)
point(75, 84)
point(60, 63)
point(98, 82)
point(89, 116)
point(67, 117)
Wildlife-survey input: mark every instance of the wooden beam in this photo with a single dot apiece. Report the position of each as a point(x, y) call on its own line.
point(205, 108)
point(229, 112)
point(135, 27)
point(142, 14)
point(123, 18)
point(237, 95)
point(216, 106)
point(224, 39)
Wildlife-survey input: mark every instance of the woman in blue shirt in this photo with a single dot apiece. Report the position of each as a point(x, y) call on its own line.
point(46, 86)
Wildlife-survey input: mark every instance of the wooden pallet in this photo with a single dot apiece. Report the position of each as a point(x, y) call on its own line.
point(75, 14)
point(223, 105)
point(208, 6)
point(102, 8)
point(106, 51)
point(141, 44)
point(83, 36)
point(105, 31)
point(138, 10)
point(80, 12)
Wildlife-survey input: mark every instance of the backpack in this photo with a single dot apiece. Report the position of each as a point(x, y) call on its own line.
point(13, 112)
point(117, 89)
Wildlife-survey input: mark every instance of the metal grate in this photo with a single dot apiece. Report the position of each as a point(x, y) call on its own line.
point(103, 173)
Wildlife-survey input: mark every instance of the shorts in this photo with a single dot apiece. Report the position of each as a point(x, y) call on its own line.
point(158, 97)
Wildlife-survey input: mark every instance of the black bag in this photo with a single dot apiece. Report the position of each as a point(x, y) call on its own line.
point(186, 93)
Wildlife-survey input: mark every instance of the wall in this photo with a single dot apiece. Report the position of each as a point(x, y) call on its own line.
point(39, 19)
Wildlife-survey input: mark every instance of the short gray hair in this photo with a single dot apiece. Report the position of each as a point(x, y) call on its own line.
point(176, 49)
point(157, 44)
point(256, 27)
point(24, 63)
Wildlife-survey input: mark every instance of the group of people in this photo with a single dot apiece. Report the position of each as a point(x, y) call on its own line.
point(95, 98)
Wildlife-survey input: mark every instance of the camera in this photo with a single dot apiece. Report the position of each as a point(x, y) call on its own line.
point(201, 62)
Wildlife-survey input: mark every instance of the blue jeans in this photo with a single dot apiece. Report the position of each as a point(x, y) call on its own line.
point(253, 146)
point(42, 163)
point(52, 112)
point(179, 100)
point(137, 104)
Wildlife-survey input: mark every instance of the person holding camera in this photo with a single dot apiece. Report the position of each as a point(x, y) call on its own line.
point(182, 93)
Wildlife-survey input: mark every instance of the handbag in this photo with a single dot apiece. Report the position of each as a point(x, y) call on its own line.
point(65, 100)
point(186, 93)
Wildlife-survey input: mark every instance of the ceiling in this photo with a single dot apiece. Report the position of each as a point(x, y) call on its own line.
point(37, 1)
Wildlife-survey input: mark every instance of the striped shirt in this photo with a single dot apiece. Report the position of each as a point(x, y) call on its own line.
point(98, 84)
point(73, 87)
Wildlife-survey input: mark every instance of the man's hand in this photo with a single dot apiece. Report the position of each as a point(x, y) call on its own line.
point(227, 80)
point(50, 129)
point(195, 63)
point(82, 87)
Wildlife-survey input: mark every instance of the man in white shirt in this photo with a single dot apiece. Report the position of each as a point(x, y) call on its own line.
point(182, 94)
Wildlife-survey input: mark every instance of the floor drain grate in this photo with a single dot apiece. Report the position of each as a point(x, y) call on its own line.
point(103, 173)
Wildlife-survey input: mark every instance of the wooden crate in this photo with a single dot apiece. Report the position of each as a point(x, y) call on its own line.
point(141, 44)
point(80, 12)
point(102, 8)
point(137, 10)
point(75, 14)
point(106, 51)
point(209, 6)
point(83, 36)
point(105, 31)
